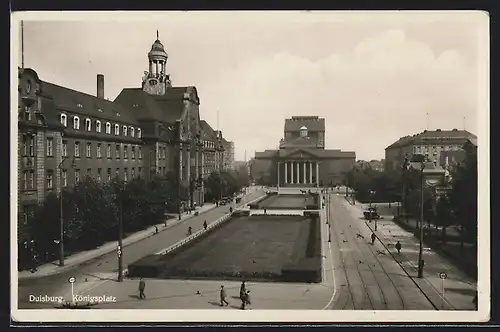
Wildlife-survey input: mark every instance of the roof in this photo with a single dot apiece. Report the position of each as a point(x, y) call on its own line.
point(434, 136)
point(78, 102)
point(299, 141)
point(166, 108)
point(207, 132)
point(313, 123)
point(472, 141)
point(320, 153)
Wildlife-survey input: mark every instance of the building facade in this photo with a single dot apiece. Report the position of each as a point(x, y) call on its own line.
point(302, 159)
point(65, 135)
point(444, 147)
point(228, 155)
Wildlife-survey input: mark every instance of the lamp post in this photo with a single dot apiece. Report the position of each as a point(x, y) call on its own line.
point(61, 219)
point(372, 192)
point(120, 237)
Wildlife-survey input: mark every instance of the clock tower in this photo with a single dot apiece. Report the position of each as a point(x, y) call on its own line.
point(156, 81)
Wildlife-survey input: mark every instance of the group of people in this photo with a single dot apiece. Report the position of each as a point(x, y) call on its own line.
point(244, 297)
point(190, 229)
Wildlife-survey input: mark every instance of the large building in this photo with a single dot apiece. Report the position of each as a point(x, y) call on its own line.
point(444, 147)
point(302, 159)
point(228, 154)
point(65, 135)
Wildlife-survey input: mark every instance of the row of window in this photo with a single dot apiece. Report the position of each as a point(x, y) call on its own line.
point(126, 130)
point(88, 150)
point(29, 176)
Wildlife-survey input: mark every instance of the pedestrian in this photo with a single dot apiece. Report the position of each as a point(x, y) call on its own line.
point(223, 296)
point(398, 247)
point(205, 225)
point(374, 237)
point(156, 229)
point(142, 286)
point(474, 300)
point(243, 290)
point(265, 211)
point(248, 301)
point(190, 230)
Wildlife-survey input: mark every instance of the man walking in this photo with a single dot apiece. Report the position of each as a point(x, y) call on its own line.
point(374, 237)
point(205, 225)
point(142, 286)
point(398, 247)
point(223, 296)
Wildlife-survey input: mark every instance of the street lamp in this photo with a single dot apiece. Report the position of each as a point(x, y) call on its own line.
point(119, 249)
point(61, 220)
point(372, 192)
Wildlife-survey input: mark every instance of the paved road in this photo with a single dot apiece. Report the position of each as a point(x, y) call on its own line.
point(367, 277)
point(105, 267)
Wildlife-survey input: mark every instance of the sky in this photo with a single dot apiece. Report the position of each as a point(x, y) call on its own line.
point(374, 77)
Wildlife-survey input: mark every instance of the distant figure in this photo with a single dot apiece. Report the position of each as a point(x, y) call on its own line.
point(231, 210)
point(142, 286)
point(243, 290)
point(265, 211)
point(156, 229)
point(398, 247)
point(248, 301)
point(205, 225)
point(373, 238)
point(223, 296)
point(190, 230)
point(474, 300)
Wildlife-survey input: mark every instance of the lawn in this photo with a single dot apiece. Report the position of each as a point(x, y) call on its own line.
point(286, 202)
point(255, 248)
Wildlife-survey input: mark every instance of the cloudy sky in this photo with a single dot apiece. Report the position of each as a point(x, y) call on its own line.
point(372, 77)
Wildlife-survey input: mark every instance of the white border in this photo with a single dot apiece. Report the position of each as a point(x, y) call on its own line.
point(96, 315)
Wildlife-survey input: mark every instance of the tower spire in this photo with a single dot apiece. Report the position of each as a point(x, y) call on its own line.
point(157, 35)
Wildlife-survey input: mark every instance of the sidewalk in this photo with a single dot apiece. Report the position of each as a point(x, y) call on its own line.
point(458, 289)
point(81, 257)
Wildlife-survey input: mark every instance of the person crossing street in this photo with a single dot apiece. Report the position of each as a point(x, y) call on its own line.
point(398, 247)
point(374, 237)
point(223, 296)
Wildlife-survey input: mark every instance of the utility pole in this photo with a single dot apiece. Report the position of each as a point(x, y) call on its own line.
point(120, 238)
point(22, 44)
point(420, 249)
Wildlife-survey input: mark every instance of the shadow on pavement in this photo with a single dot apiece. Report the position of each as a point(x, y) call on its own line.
point(463, 291)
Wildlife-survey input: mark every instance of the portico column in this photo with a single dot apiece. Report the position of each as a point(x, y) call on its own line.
point(304, 168)
point(278, 183)
point(298, 171)
point(317, 174)
point(310, 172)
point(286, 172)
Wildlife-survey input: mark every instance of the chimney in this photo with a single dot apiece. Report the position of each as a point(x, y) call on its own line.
point(100, 86)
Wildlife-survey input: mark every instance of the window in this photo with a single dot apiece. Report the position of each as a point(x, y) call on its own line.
point(77, 149)
point(133, 152)
point(89, 172)
point(76, 122)
point(108, 128)
point(117, 151)
point(117, 129)
point(88, 124)
point(139, 152)
point(88, 153)
point(138, 132)
point(99, 155)
point(64, 178)
point(50, 176)
point(64, 119)
point(132, 131)
point(77, 176)
point(50, 140)
point(65, 148)
point(139, 171)
point(109, 174)
point(125, 152)
point(98, 175)
point(98, 126)
point(25, 180)
point(79, 105)
point(117, 173)
point(133, 172)
point(31, 180)
point(124, 130)
point(108, 152)
point(125, 175)
point(164, 153)
point(31, 144)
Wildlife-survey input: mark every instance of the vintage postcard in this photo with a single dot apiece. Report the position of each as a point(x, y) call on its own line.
point(250, 166)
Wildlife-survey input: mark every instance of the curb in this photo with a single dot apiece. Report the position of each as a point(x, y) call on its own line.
point(124, 244)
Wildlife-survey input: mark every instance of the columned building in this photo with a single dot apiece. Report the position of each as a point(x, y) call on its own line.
point(302, 159)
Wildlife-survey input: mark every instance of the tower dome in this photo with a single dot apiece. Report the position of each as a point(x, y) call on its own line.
point(157, 51)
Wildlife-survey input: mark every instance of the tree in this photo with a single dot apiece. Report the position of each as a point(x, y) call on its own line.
point(443, 214)
point(463, 196)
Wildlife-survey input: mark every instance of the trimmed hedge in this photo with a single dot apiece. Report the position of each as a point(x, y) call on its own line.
point(147, 267)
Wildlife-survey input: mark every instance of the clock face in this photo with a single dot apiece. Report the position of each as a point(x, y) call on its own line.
point(153, 82)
